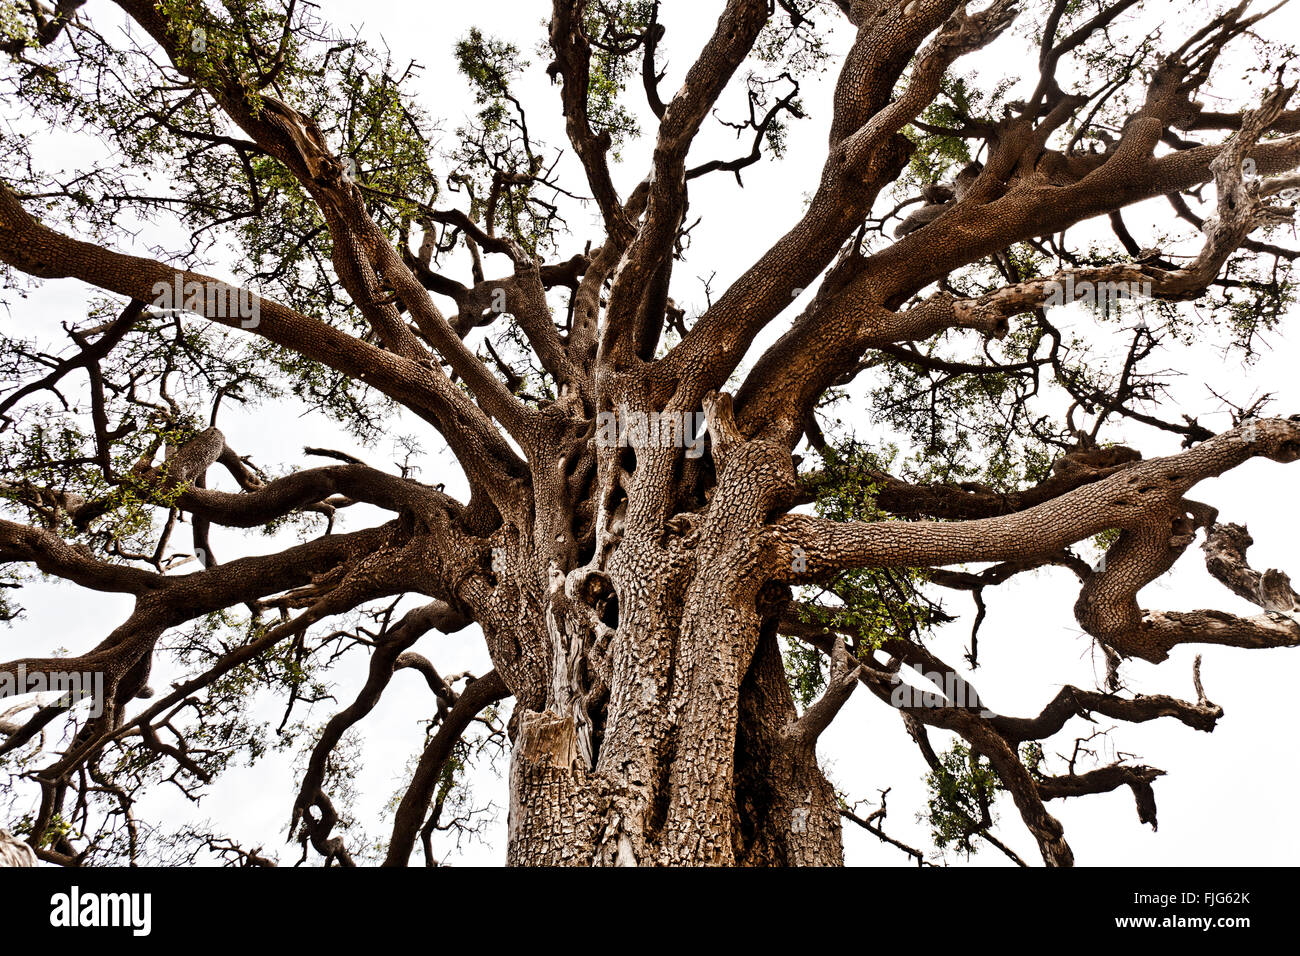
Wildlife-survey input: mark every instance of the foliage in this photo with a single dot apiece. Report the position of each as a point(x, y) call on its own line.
point(962, 790)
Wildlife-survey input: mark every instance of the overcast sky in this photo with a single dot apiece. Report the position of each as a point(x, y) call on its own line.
point(1227, 797)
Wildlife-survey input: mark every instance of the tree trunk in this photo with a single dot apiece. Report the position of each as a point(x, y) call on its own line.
point(739, 791)
point(677, 742)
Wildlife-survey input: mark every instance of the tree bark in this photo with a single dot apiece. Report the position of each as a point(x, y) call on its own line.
point(679, 743)
point(728, 783)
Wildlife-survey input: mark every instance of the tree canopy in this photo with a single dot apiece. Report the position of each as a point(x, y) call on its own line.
point(686, 530)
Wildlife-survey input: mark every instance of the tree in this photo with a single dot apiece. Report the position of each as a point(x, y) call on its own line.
point(680, 566)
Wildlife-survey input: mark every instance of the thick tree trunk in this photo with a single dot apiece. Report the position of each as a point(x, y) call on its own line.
point(697, 761)
point(668, 735)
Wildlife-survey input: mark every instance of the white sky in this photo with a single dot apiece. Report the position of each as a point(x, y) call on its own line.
point(1225, 795)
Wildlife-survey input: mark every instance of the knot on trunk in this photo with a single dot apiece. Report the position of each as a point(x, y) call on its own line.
point(547, 740)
